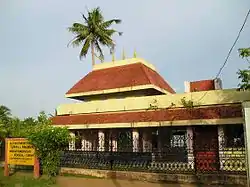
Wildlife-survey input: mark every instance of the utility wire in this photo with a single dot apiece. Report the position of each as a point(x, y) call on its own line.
point(230, 51)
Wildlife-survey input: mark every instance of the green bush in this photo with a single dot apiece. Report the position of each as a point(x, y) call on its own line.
point(49, 142)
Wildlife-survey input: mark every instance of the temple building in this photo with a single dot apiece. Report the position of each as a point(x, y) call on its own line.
point(127, 108)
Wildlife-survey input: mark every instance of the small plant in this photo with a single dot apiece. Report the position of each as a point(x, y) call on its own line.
point(153, 105)
point(187, 103)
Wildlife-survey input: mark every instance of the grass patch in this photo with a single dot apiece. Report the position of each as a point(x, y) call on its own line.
point(20, 179)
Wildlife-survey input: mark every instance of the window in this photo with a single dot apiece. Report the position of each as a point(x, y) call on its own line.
point(234, 136)
point(178, 138)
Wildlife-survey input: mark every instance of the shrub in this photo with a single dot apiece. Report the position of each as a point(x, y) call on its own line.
point(49, 142)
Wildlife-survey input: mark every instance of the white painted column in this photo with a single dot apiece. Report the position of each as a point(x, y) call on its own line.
point(86, 141)
point(135, 136)
point(221, 142)
point(101, 141)
point(146, 142)
point(187, 86)
point(88, 145)
point(72, 145)
point(246, 109)
point(189, 143)
point(217, 84)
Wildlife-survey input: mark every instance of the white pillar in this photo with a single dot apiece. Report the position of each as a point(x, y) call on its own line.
point(146, 142)
point(187, 86)
point(101, 141)
point(72, 145)
point(135, 135)
point(217, 84)
point(88, 145)
point(86, 141)
point(246, 109)
point(189, 143)
point(221, 142)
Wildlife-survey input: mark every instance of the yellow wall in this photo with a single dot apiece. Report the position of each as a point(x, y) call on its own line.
point(163, 101)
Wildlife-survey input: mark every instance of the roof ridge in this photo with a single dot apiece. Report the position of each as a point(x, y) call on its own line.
point(166, 82)
point(112, 67)
point(143, 69)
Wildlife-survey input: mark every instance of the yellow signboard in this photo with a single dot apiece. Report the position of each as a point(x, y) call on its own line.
point(20, 152)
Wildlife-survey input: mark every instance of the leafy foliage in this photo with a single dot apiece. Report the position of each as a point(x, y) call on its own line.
point(244, 75)
point(94, 33)
point(187, 103)
point(5, 118)
point(49, 141)
point(244, 52)
point(14, 127)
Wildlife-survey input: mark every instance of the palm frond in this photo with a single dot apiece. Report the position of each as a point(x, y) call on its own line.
point(4, 111)
point(108, 23)
point(71, 41)
point(76, 41)
point(99, 50)
point(85, 47)
point(78, 28)
point(97, 15)
point(111, 32)
point(106, 41)
point(84, 17)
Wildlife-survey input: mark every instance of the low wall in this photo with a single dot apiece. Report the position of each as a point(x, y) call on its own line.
point(161, 177)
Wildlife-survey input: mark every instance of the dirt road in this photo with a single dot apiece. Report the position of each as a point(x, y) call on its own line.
point(89, 182)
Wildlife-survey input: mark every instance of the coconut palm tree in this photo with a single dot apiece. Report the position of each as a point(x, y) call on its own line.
point(5, 117)
point(5, 113)
point(93, 33)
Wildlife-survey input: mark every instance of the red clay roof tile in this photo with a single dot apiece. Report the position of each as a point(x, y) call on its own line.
point(120, 77)
point(213, 112)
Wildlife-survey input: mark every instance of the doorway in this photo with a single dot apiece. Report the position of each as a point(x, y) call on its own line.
point(206, 148)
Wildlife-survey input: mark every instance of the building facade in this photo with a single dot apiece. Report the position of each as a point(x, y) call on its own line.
point(129, 118)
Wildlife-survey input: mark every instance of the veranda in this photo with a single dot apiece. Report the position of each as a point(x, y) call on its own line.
point(187, 149)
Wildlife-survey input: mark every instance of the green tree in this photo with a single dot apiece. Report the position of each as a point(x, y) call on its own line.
point(93, 33)
point(245, 53)
point(244, 75)
point(5, 118)
point(5, 114)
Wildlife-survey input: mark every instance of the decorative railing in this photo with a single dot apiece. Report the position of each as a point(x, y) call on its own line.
point(232, 159)
point(173, 155)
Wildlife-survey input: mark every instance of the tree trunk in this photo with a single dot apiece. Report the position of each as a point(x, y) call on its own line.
point(93, 54)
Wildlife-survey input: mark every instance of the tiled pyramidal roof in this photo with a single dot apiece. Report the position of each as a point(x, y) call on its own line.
point(123, 76)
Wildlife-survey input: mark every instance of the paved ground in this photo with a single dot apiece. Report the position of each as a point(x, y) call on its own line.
point(88, 182)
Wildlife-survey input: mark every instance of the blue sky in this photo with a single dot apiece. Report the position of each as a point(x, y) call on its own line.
point(185, 40)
